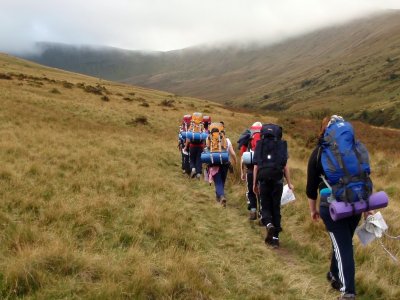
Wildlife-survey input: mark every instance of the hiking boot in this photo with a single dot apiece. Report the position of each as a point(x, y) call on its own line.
point(270, 233)
point(253, 216)
point(223, 201)
point(335, 284)
point(347, 297)
point(275, 242)
point(193, 173)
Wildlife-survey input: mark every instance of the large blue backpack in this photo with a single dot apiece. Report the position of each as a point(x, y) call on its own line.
point(345, 162)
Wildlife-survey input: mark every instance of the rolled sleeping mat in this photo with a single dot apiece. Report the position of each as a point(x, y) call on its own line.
point(340, 210)
point(215, 158)
point(247, 157)
point(194, 136)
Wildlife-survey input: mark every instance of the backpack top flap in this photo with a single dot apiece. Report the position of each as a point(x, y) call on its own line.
point(271, 131)
point(345, 161)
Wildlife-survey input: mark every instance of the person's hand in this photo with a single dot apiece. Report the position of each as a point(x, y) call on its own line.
point(255, 189)
point(368, 213)
point(314, 215)
point(243, 176)
point(291, 186)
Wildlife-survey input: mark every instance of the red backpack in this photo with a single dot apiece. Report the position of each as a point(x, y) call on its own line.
point(254, 138)
point(186, 122)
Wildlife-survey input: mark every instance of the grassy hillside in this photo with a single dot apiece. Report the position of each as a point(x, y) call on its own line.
point(352, 68)
point(94, 205)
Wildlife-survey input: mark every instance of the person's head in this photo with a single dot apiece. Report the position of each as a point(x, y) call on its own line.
point(327, 121)
point(324, 124)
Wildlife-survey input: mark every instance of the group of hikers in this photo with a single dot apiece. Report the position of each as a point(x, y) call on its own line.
point(338, 164)
point(204, 142)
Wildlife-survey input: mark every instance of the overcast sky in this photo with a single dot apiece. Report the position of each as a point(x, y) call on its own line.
point(169, 24)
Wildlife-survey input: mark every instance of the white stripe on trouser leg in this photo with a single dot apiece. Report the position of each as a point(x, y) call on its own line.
point(339, 261)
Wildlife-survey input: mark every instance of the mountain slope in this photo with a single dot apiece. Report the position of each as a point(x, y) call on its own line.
point(94, 205)
point(353, 68)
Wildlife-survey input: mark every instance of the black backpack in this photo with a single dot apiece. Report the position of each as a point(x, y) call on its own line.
point(272, 154)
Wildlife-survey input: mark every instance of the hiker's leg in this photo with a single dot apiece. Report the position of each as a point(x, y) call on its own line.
point(266, 202)
point(342, 241)
point(192, 158)
point(219, 187)
point(334, 267)
point(276, 207)
point(199, 150)
point(186, 163)
point(251, 197)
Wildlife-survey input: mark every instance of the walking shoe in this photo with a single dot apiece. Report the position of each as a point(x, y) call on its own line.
point(218, 199)
point(275, 242)
point(335, 283)
point(270, 233)
point(223, 201)
point(347, 297)
point(193, 173)
point(253, 216)
point(198, 176)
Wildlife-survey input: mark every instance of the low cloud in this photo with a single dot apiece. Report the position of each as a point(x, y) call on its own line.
point(166, 25)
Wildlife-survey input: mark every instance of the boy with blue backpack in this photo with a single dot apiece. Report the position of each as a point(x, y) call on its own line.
point(339, 164)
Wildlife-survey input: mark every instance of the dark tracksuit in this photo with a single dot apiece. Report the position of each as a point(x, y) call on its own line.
point(251, 197)
point(340, 232)
point(185, 158)
point(195, 151)
point(270, 197)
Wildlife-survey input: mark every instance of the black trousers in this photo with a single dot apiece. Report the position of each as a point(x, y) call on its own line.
point(270, 198)
point(251, 197)
point(342, 262)
point(185, 163)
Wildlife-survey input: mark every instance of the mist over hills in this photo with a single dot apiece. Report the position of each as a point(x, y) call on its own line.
point(352, 69)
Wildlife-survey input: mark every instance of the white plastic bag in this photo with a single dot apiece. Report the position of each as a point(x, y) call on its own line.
point(287, 195)
point(371, 229)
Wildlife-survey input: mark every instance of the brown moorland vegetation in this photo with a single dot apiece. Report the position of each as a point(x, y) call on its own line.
point(93, 204)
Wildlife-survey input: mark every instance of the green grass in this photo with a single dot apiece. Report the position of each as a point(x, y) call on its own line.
point(95, 207)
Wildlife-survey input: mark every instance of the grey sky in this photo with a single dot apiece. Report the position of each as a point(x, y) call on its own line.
point(169, 24)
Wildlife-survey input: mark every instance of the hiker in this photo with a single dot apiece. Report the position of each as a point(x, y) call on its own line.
point(183, 128)
point(270, 166)
point(321, 171)
point(217, 143)
point(206, 122)
point(247, 143)
point(195, 144)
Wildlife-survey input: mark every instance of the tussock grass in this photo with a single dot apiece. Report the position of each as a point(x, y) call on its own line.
point(94, 208)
